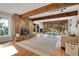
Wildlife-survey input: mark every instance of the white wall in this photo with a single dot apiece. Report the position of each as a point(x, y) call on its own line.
point(9, 17)
point(73, 21)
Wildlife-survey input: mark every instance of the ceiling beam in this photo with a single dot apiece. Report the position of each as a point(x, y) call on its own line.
point(66, 14)
point(56, 22)
point(46, 8)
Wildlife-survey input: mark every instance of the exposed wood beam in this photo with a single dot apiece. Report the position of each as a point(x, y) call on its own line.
point(72, 13)
point(58, 22)
point(46, 8)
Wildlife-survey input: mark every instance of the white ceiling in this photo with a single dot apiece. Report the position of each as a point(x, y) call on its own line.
point(20, 8)
point(57, 11)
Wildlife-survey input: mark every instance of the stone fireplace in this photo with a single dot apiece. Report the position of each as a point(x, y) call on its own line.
point(21, 26)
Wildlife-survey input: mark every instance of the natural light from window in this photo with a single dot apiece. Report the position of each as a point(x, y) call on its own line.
point(7, 50)
point(4, 26)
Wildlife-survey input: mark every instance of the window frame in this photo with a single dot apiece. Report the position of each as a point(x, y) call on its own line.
point(8, 28)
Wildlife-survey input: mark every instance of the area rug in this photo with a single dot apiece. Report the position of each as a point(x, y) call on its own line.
point(42, 45)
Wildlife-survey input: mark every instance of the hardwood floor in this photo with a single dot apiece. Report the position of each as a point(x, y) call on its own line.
point(58, 52)
point(22, 51)
point(25, 52)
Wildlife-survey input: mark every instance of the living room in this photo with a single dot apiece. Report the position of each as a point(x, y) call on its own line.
point(41, 30)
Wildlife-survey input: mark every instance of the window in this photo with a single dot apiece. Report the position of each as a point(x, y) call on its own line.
point(4, 26)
